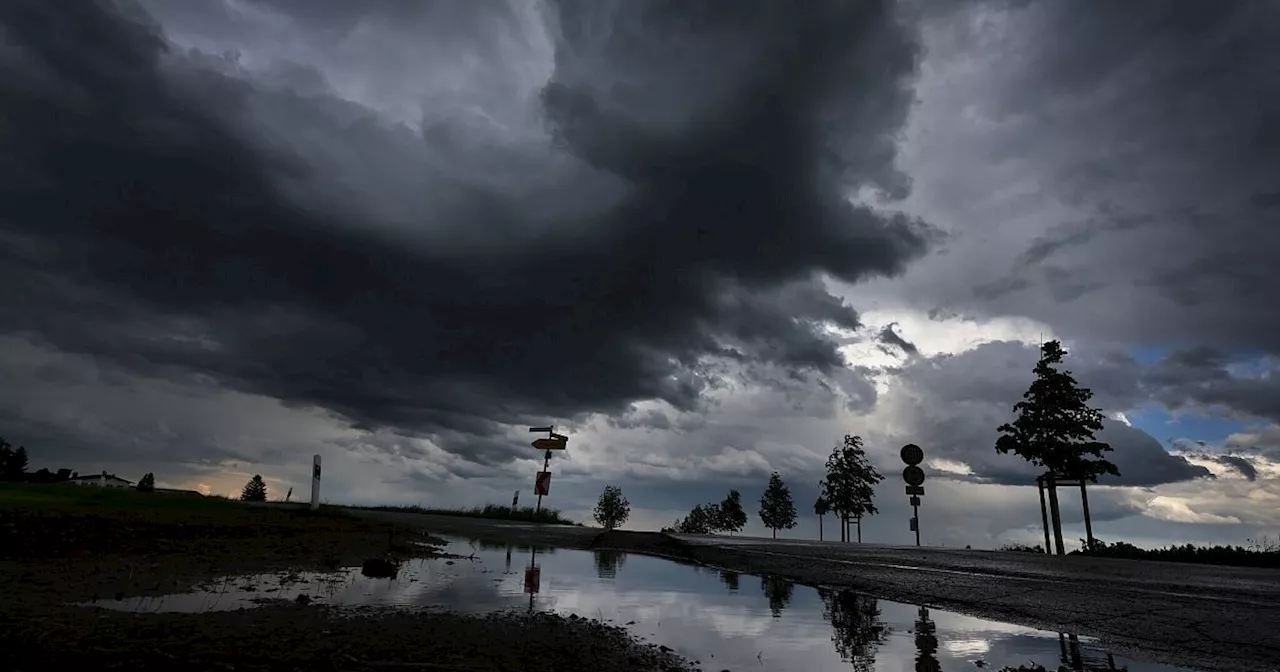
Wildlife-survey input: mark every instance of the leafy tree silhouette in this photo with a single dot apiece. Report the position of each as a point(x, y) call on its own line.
point(147, 483)
point(777, 510)
point(255, 490)
point(731, 517)
point(820, 509)
point(1054, 429)
point(612, 509)
point(849, 488)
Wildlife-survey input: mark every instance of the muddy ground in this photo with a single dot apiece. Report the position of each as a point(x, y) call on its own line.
point(54, 557)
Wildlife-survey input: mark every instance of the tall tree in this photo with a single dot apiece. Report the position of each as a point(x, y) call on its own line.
point(612, 509)
point(13, 463)
point(850, 486)
point(1054, 429)
point(255, 490)
point(777, 510)
point(820, 509)
point(731, 516)
point(147, 483)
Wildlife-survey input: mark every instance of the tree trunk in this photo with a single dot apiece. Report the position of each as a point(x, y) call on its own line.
point(1056, 513)
point(819, 528)
point(859, 529)
point(1044, 517)
point(775, 533)
point(1088, 522)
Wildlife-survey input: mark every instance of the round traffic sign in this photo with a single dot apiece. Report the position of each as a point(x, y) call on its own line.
point(911, 454)
point(913, 475)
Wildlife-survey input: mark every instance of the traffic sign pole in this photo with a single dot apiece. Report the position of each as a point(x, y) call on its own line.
point(912, 455)
point(554, 442)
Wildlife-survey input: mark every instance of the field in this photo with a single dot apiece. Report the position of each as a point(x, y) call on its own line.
point(68, 545)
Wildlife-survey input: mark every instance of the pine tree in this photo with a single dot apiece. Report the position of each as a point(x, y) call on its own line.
point(13, 463)
point(731, 517)
point(777, 510)
point(147, 483)
point(612, 509)
point(1055, 424)
point(849, 488)
point(255, 490)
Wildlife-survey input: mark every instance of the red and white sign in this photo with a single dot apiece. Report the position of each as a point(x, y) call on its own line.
point(532, 579)
point(542, 486)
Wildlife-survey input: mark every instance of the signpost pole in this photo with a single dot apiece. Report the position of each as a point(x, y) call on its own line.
point(915, 513)
point(546, 462)
point(315, 482)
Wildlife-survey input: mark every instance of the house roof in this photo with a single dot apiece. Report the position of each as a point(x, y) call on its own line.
point(95, 477)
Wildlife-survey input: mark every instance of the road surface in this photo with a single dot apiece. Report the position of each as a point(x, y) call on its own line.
point(1225, 619)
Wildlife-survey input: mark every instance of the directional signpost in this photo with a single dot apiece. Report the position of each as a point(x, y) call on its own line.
point(542, 484)
point(912, 455)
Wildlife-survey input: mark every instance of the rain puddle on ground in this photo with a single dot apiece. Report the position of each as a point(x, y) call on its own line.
point(725, 620)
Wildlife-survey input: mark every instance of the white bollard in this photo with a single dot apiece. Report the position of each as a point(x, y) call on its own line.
point(315, 483)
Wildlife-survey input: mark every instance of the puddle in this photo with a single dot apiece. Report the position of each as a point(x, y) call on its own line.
point(724, 620)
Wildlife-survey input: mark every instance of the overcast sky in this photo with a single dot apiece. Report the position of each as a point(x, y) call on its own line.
point(705, 240)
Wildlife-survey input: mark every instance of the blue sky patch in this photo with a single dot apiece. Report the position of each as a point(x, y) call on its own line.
point(1157, 421)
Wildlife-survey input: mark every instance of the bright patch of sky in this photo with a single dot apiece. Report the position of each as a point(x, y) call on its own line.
point(1166, 427)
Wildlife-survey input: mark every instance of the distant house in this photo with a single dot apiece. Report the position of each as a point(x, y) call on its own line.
point(103, 480)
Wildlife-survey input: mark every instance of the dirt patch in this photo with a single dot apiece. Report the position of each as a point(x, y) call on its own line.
point(649, 543)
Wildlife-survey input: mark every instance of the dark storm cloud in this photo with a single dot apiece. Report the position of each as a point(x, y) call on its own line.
point(888, 336)
point(147, 220)
point(1200, 376)
point(1138, 143)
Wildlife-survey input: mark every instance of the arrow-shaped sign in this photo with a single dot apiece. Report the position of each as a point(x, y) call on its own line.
point(551, 444)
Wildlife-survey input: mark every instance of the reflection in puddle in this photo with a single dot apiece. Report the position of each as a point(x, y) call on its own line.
point(717, 617)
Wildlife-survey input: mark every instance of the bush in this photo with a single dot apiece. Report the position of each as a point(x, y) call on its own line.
point(147, 483)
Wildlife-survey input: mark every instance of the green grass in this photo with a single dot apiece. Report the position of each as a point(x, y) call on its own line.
point(492, 511)
point(68, 498)
point(64, 497)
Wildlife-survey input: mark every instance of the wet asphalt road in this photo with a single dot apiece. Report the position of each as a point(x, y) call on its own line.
point(1213, 618)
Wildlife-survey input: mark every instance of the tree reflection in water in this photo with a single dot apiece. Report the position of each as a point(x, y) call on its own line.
point(609, 562)
point(778, 591)
point(856, 628)
point(730, 579)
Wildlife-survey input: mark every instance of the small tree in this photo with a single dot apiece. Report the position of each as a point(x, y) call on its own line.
point(820, 509)
point(849, 488)
point(255, 490)
point(777, 510)
point(147, 483)
point(731, 517)
point(612, 509)
point(1055, 429)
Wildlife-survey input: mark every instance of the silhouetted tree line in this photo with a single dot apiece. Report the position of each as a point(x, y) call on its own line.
point(15, 461)
point(1259, 553)
point(727, 516)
